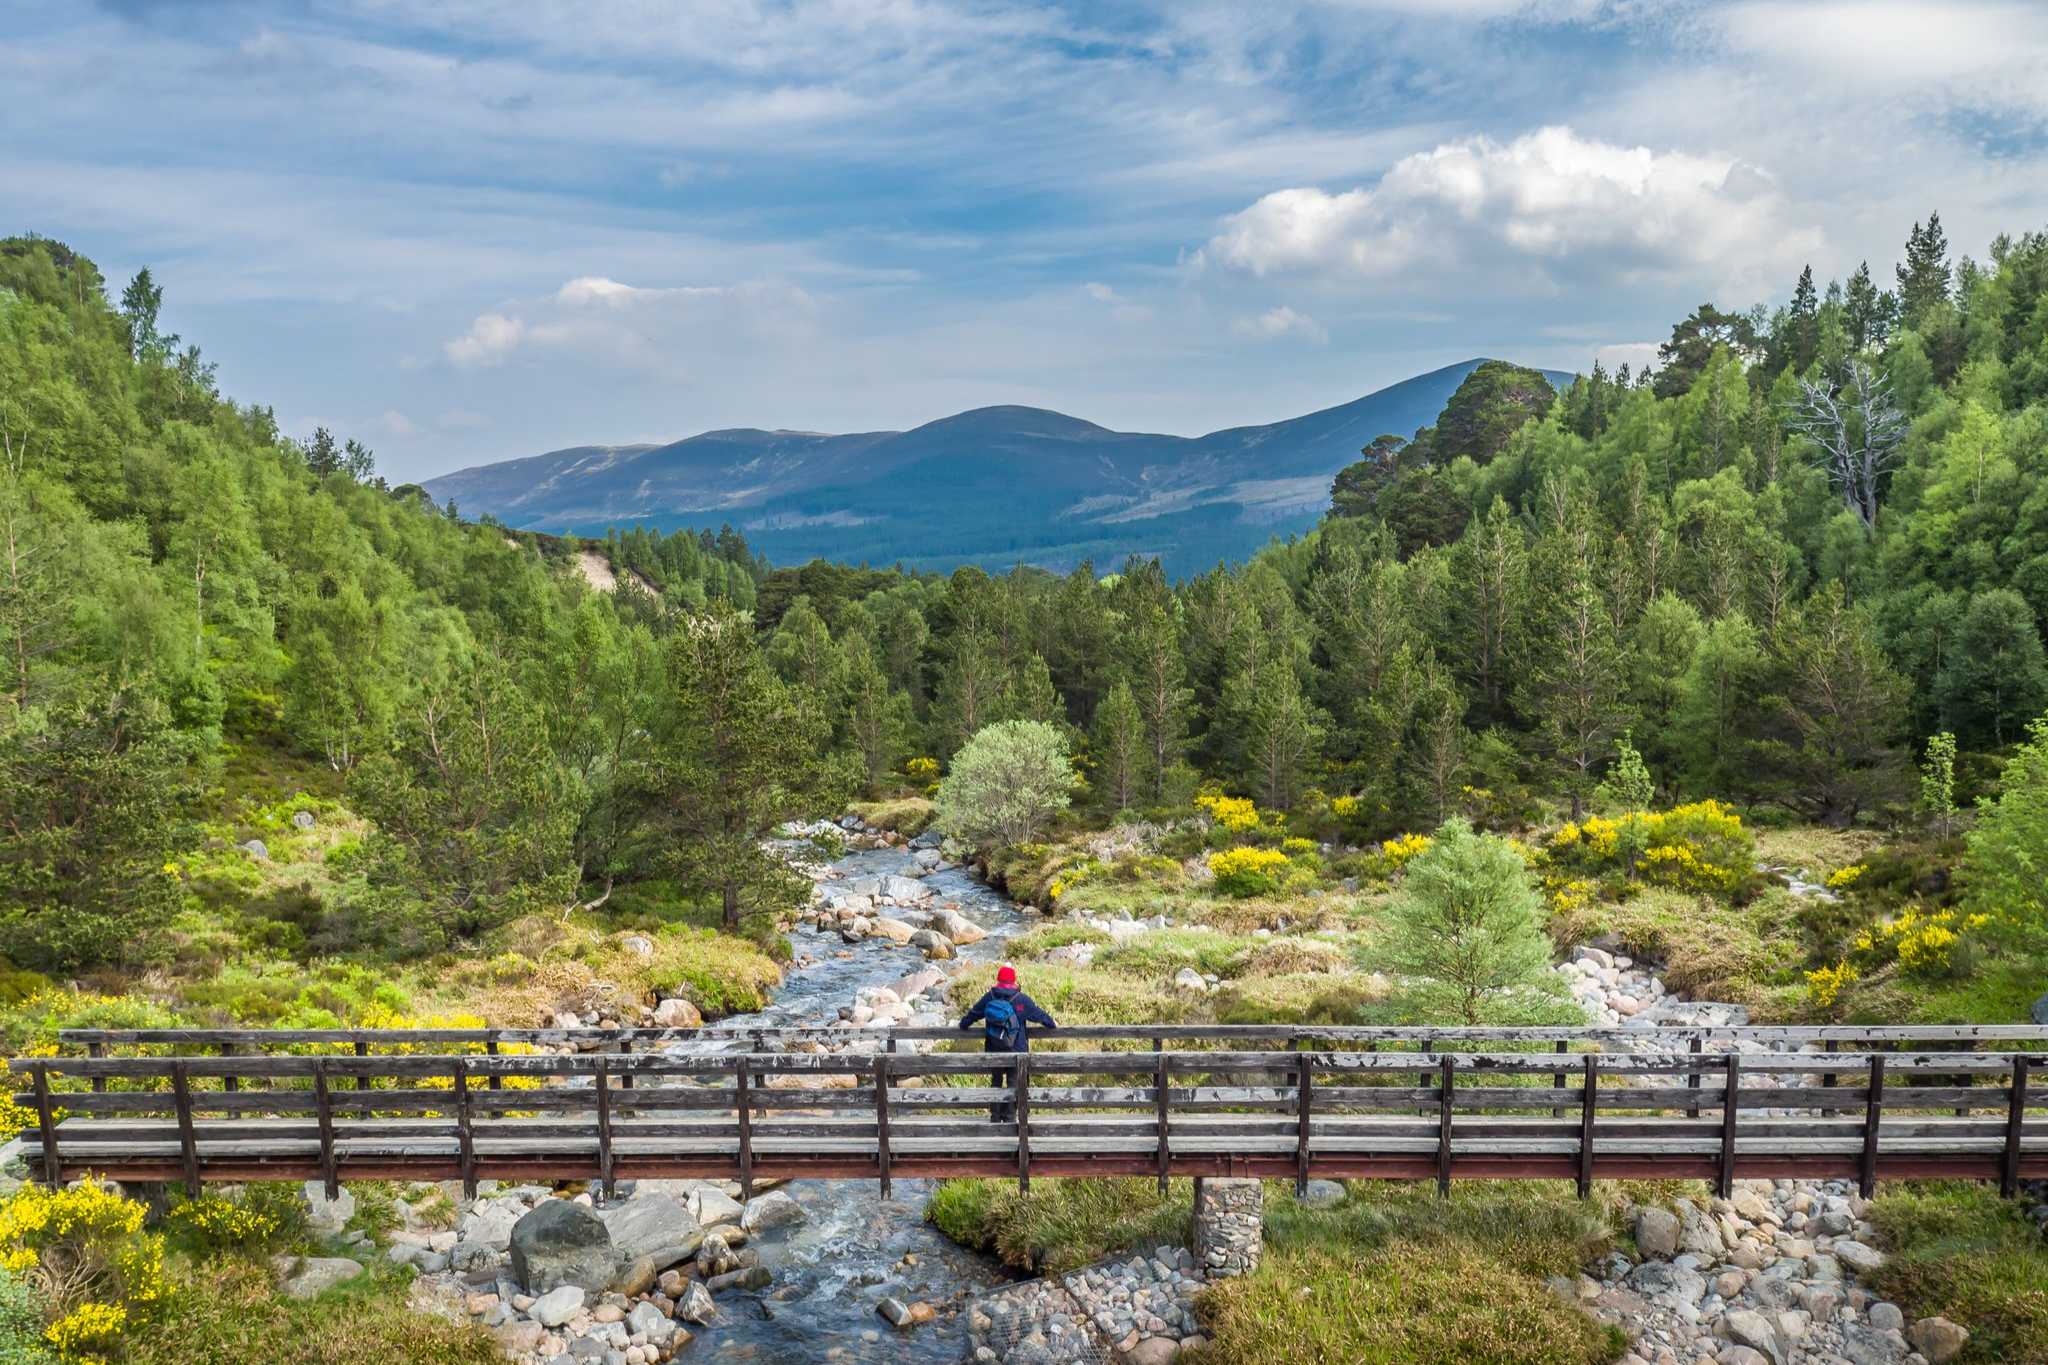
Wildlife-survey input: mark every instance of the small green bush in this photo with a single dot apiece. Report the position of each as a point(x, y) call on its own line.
point(22, 1315)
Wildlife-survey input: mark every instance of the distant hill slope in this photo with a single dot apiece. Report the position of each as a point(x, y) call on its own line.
point(994, 486)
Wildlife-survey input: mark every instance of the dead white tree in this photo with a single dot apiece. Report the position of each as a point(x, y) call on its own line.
point(1859, 430)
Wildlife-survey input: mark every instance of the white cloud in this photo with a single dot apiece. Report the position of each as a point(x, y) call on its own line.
point(491, 338)
point(642, 327)
point(1972, 53)
point(1121, 307)
point(1548, 204)
point(396, 423)
point(1279, 322)
point(1637, 355)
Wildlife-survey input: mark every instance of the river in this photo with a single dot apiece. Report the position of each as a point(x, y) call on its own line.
point(849, 1253)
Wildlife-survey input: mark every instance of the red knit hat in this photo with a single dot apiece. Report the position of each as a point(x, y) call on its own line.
point(1006, 975)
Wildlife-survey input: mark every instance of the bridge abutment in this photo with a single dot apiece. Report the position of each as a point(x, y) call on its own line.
point(1229, 1226)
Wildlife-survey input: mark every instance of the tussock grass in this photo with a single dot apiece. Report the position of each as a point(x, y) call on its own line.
point(1395, 1276)
point(1962, 1252)
point(1061, 1225)
point(226, 1313)
point(1711, 950)
point(908, 816)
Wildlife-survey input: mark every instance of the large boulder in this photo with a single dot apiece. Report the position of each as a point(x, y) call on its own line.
point(895, 930)
point(1657, 1232)
point(957, 926)
point(562, 1243)
point(314, 1275)
point(652, 1225)
point(772, 1210)
point(327, 1217)
point(714, 1208)
point(1938, 1339)
point(676, 1012)
point(903, 889)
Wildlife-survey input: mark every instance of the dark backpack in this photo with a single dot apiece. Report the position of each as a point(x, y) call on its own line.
point(999, 1021)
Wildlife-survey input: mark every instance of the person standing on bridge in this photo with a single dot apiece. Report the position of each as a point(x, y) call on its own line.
point(1005, 1015)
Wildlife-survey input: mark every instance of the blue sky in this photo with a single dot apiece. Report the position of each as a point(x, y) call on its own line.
point(467, 230)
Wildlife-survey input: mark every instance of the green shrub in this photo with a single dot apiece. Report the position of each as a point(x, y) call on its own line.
point(1960, 1251)
point(22, 1314)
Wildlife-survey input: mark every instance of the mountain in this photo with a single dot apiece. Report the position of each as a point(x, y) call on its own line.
point(994, 486)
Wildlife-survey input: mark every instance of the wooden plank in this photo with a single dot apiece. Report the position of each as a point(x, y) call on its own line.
point(1694, 1046)
point(744, 1110)
point(1161, 1118)
point(1731, 1107)
point(1023, 1117)
point(1302, 1122)
point(601, 1083)
point(1873, 1119)
point(362, 1046)
point(1589, 1089)
point(46, 1124)
point(2015, 1123)
point(1443, 1141)
point(465, 1136)
point(1557, 1077)
point(188, 1146)
point(97, 1050)
point(882, 1121)
point(230, 1082)
point(324, 1116)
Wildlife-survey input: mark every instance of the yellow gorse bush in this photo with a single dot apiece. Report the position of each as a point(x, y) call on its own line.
point(1698, 847)
point(85, 1249)
point(1394, 853)
point(87, 1332)
point(1237, 814)
point(1922, 943)
point(225, 1221)
point(1845, 876)
point(1344, 807)
point(380, 1017)
point(922, 769)
point(1824, 984)
point(1248, 871)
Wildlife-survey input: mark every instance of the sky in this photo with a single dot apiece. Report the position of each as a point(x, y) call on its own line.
point(471, 230)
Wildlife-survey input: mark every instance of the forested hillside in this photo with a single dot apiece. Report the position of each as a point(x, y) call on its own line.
point(197, 611)
point(1815, 537)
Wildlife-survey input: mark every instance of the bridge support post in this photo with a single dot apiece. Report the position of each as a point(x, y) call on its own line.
point(1229, 1225)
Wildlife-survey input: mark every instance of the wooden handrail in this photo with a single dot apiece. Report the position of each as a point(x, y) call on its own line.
point(594, 1037)
point(1294, 1114)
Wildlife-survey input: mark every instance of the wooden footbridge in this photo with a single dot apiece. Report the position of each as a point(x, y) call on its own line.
point(193, 1106)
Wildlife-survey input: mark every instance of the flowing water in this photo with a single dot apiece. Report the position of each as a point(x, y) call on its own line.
point(835, 1267)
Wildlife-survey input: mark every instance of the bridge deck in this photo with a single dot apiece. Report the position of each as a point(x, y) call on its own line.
point(1340, 1113)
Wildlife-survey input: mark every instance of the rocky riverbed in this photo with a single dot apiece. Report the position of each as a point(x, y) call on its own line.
point(830, 1271)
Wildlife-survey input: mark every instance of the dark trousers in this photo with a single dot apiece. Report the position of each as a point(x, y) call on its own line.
point(1002, 1078)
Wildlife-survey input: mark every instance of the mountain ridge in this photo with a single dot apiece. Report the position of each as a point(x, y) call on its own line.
point(995, 485)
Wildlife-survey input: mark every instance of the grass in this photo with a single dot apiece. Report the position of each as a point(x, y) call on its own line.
point(1391, 1275)
point(1960, 1251)
point(1061, 1225)
point(1395, 1276)
point(225, 1312)
point(908, 816)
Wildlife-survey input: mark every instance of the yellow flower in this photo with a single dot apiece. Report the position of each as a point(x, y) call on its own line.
point(1824, 984)
point(1845, 876)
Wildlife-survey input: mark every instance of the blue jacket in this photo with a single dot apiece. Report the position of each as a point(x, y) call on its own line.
point(1028, 1013)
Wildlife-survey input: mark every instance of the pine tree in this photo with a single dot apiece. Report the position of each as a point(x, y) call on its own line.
point(1467, 922)
point(1118, 748)
point(738, 752)
point(1158, 671)
point(1803, 322)
point(1924, 275)
point(1865, 311)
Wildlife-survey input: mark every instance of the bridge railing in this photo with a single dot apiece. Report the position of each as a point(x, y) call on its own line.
point(1345, 1113)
